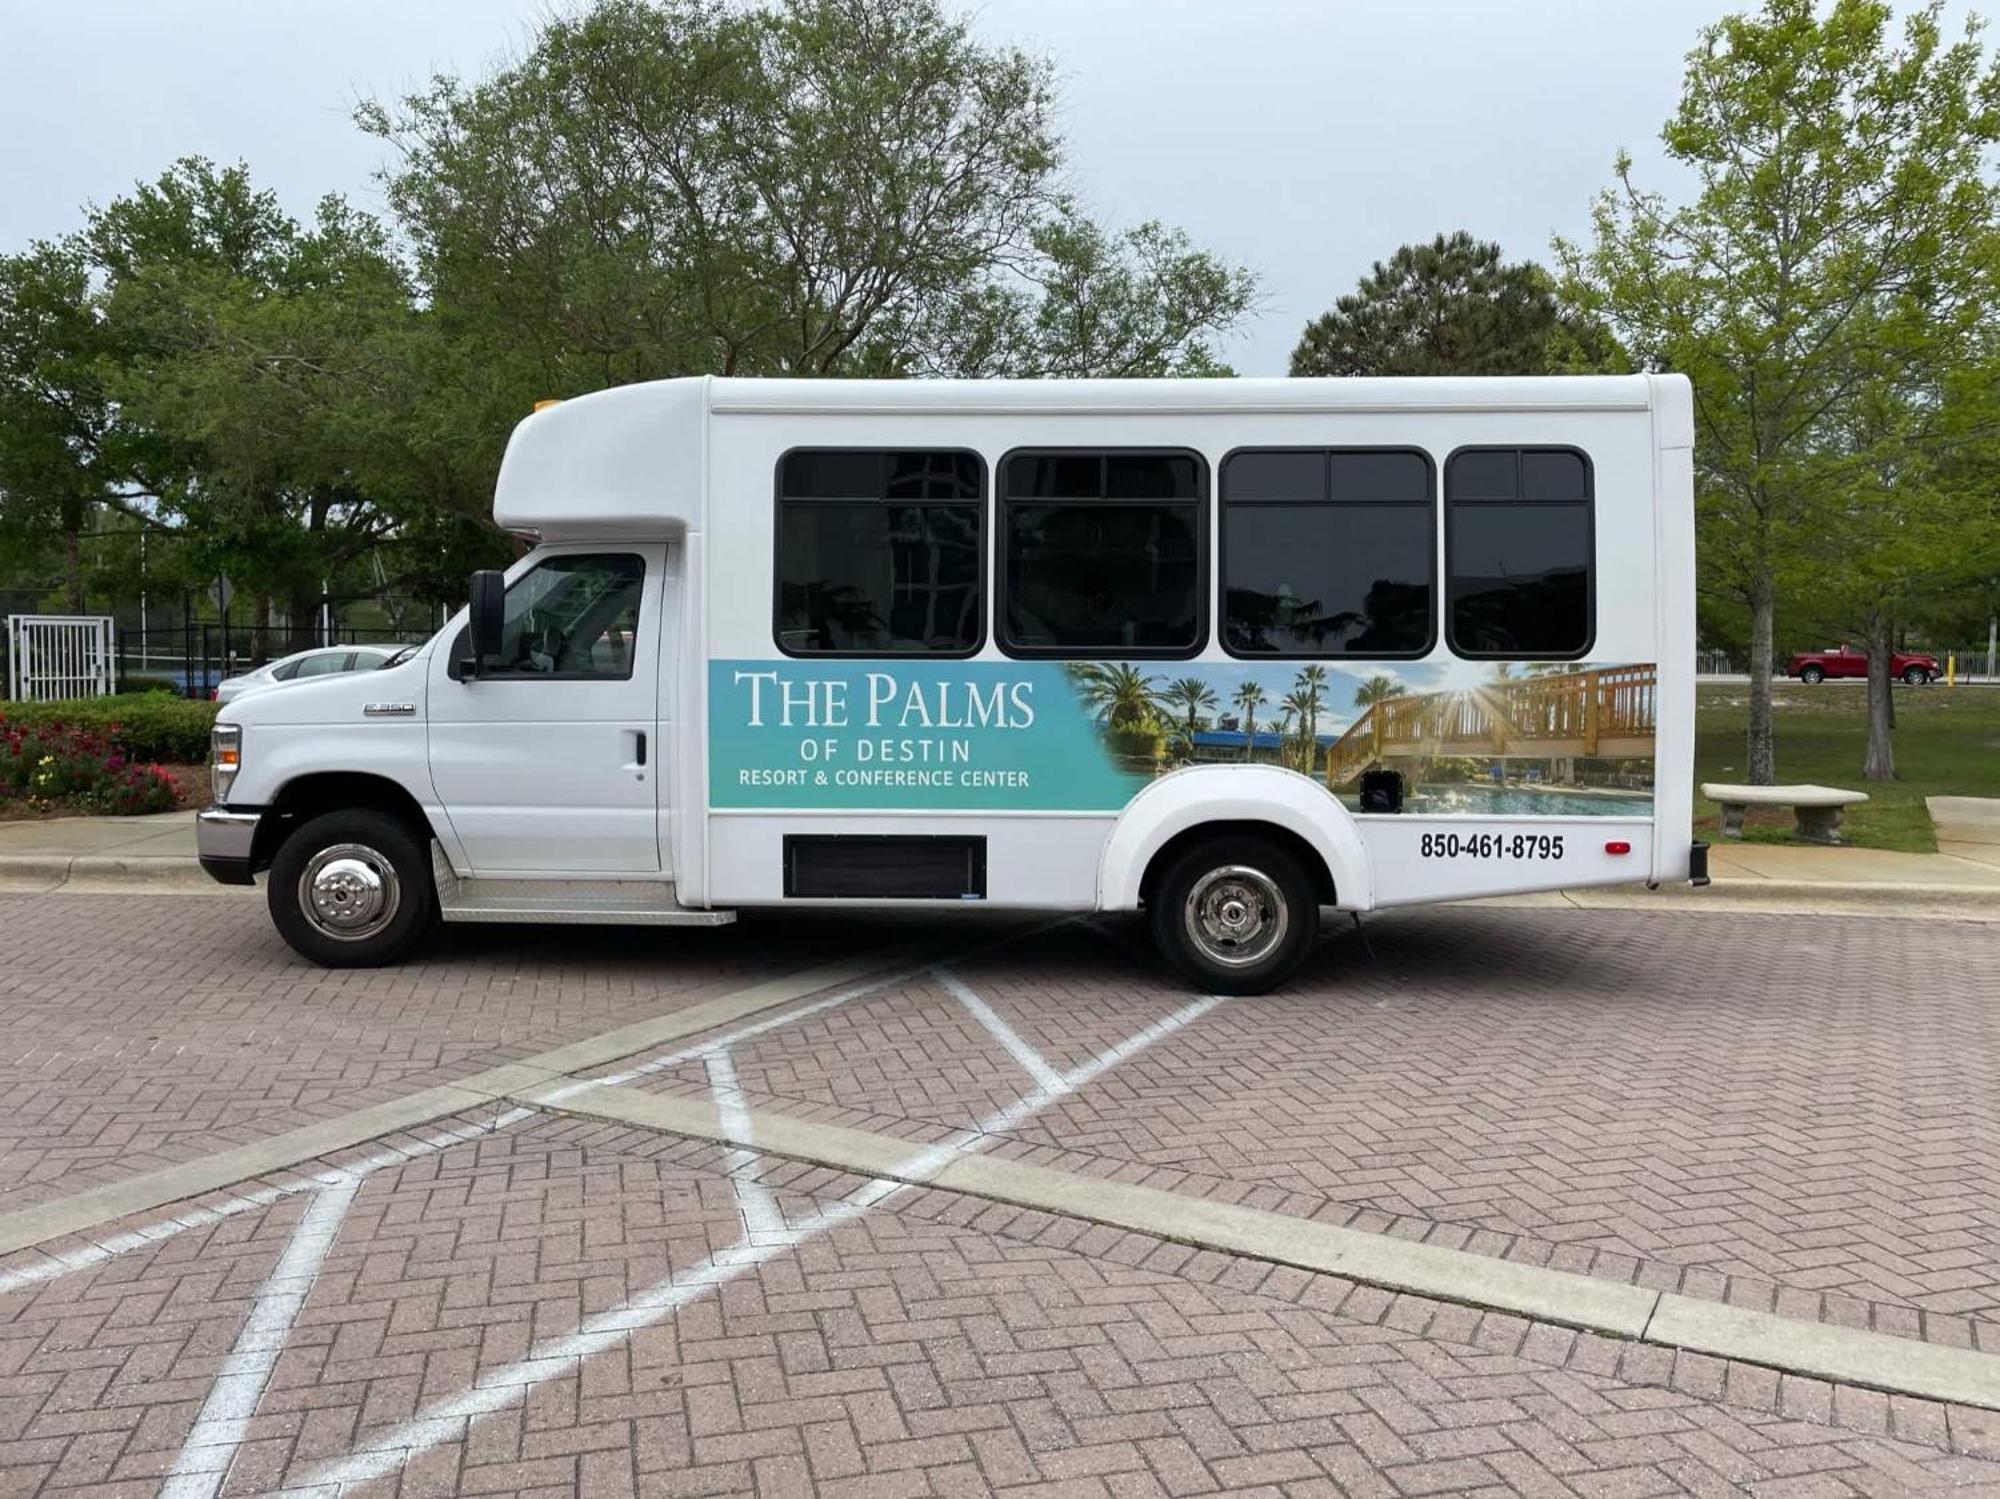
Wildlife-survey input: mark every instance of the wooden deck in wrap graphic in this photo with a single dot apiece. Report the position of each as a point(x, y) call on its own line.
point(1605, 712)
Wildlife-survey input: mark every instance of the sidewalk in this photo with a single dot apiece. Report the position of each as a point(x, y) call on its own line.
point(1961, 882)
point(102, 853)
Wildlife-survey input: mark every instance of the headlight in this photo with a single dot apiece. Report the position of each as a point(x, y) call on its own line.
point(225, 757)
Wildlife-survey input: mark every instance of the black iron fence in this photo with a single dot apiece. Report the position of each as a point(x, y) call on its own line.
point(194, 660)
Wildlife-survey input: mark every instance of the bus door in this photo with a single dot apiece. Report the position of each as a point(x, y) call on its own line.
point(547, 761)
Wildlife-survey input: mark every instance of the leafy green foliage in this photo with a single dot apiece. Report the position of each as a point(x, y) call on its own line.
point(75, 767)
point(652, 188)
point(812, 187)
point(1828, 289)
point(147, 727)
point(1452, 307)
point(53, 410)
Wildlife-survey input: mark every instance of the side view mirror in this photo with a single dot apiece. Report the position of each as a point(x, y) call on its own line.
point(486, 614)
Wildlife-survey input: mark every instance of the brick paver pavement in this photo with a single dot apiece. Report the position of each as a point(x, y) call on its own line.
point(1792, 1114)
point(933, 1346)
point(139, 1032)
point(1801, 1115)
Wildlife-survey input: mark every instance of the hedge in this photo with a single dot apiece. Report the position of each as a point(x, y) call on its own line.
point(151, 726)
point(69, 768)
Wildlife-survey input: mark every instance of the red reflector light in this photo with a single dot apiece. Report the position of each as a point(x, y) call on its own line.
point(1618, 846)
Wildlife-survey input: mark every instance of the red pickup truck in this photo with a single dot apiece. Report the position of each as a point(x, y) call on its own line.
point(1846, 661)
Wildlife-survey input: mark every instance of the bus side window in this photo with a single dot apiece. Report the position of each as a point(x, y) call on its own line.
point(1518, 552)
point(880, 553)
point(1103, 553)
point(1328, 552)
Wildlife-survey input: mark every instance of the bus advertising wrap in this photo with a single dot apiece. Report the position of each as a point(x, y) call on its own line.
point(1568, 739)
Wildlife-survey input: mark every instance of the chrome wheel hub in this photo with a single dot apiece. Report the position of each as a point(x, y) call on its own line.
point(349, 891)
point(1236, 916)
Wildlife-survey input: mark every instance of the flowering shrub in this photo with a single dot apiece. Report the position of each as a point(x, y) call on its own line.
point(79, 769)
point(146, 726)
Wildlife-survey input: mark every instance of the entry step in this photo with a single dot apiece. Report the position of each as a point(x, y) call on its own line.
point(567, 902)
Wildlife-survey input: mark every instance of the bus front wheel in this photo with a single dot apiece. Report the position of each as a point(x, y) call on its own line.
point(1235, 915)
point(351, 889)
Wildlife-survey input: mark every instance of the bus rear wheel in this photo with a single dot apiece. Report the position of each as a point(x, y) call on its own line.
point(1235, 915)
point(351, 890)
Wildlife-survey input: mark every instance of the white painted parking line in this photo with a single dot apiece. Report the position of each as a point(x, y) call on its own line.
point(449, 1419)
point(702, 1050)
point(61, 1262)
point(1031, 1060)
point(44, 1222)
point(762, 1216)
point(232, 1400)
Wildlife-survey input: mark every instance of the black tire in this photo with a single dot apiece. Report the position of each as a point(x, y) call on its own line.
point(1916, 676)
point(1812, 675)
point(363, 845)
point(1217, 874)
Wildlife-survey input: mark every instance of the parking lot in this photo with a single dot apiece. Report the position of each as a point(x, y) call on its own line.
point(859, 1206)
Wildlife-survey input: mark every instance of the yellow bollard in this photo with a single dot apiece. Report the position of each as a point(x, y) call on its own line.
point(1951, 670)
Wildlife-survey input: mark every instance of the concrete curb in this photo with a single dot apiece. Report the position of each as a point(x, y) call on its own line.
point(1874, 1360)
point(1806, 897)
point(105, 873)
point(45, 874)
point(81, 1213)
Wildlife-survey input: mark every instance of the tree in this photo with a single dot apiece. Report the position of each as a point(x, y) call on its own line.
point(1144, 304)
point(1452, 307)
point(1829, 275)
point(1120, 695)
point(1378, 689)
point(1312, 680)
point(803, 187)
point(1301, 705)
point(1249, 697)
point(1191, 697)
point(1933, 529)
point(53, 411)
point(269, 385)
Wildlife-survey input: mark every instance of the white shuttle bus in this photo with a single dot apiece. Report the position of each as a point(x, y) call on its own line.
point(1230, 652)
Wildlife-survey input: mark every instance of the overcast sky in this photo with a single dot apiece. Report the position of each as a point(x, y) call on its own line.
point(1306, 138)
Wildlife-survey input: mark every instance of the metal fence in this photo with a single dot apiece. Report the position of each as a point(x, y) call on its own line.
point(54, 657)
point(209, 653)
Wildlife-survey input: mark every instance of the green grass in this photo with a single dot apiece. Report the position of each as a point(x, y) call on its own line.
point(1947, 744)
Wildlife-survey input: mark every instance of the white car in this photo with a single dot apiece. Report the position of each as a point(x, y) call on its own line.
point(322, 662)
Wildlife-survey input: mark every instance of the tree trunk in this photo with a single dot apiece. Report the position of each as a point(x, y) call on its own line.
point(302, 624)
point(260, 630)
point(73, 512)
point(1763, 759)
point(1881, 762)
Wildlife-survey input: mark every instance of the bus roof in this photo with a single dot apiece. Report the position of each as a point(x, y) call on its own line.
point(602, 459)
point(1220, 397)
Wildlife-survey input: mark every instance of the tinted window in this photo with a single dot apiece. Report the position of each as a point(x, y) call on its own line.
point(879, 553)
point(1518, 552)
point(1103, 554)
point(1327, 553)
point(570, 616)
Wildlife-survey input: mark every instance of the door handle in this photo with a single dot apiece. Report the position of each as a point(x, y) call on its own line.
point(642, 746)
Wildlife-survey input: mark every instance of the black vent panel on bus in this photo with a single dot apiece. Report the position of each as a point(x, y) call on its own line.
point(884, 867)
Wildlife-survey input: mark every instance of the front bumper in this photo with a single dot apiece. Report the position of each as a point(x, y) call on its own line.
point(223, 840)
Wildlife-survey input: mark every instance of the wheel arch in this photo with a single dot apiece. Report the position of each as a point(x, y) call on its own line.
point(1204, 800)
point(305, 797)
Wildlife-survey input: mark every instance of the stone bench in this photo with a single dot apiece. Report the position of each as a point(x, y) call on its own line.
point(1816, 810)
